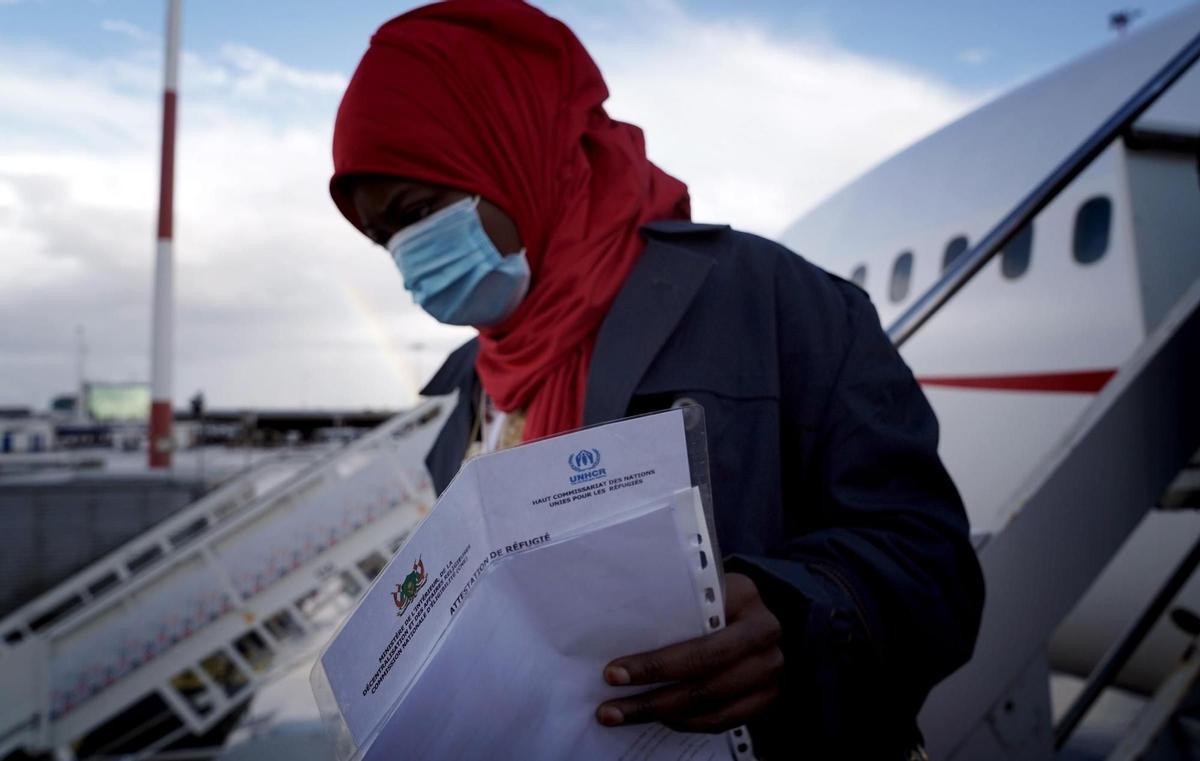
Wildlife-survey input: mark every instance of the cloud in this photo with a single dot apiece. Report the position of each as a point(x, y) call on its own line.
point(260, 73)
point(974, 56)
point(280, 303)
point(763, 129)
point(120, 26)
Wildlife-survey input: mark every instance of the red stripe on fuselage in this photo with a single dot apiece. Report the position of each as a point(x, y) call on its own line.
point(1078, 382)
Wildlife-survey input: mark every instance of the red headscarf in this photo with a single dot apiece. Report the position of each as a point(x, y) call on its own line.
point(495, 98)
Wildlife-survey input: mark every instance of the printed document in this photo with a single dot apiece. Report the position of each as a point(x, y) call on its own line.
point(487, 634)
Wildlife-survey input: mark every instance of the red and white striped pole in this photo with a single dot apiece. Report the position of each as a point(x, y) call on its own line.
point(163, 326)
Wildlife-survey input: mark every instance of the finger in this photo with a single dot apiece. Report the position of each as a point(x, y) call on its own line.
point(699, 697)
point(697, 658)
point(741, 711)
point(684, 660)
point(740, 592)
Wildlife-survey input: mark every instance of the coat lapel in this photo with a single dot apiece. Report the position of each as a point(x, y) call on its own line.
point(456, 374)
point(655, 296)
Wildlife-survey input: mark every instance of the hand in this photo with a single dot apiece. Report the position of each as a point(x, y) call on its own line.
point(718, 682)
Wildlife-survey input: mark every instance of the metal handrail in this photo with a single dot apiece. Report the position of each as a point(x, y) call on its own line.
point(965, 267)
point(1123, 649)
point(73, 585)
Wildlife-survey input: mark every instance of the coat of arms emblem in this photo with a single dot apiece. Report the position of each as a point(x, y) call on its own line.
point(406, 591)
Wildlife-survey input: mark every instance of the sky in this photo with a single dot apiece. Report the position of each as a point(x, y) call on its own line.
point(762, 107)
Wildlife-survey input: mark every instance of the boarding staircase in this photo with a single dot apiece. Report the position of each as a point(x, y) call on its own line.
point(165, 639)
point(1065, 524)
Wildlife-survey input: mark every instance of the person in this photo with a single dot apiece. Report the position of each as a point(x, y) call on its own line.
point(472, 143)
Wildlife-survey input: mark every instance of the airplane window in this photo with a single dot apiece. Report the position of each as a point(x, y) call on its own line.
point(901, 275)
point(1092, 224)
point(954, 249)
point(859, 276)
point(1014, 259)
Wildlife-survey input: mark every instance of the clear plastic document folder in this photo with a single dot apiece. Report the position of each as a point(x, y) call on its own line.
point(487, 634)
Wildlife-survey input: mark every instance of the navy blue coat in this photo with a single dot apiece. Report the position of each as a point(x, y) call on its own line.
point(827, 487)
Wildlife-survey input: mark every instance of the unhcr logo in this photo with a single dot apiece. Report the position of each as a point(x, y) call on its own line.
point(584, 459)
point(586, 464)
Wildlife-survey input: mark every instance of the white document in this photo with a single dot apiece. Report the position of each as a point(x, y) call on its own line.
point(486, 635)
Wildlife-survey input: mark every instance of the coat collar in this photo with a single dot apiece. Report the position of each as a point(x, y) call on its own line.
point(655, 296)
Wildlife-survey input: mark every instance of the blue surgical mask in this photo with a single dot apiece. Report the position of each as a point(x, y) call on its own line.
point(453, 270)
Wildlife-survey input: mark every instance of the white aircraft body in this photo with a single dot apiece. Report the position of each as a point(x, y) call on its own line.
point(1014, 358)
